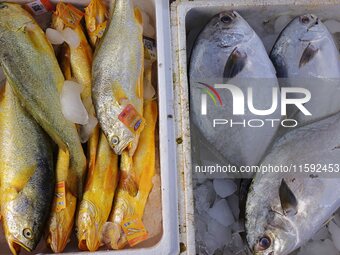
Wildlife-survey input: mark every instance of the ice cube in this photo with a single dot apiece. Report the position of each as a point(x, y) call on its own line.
point(54, 36)
point(71, 37)
point(71, 104)
point(204, 196)
point(222, 213)
point(236, 245)
point(334, 229)
point(226, 251)
point(210, 243)
point(201, 224)
point(224, 187)
point(233, 202)
point(221, 233)
point(319, 247)
point(322, 234)
point(238, 227)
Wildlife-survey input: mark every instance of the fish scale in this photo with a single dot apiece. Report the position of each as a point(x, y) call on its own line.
point(118, 75)
point(316, 195)
point(224, 52)
point(30, 65)
point(26, 174)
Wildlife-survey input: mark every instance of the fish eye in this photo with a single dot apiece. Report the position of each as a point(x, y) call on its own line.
point(115, 140)
point(3, 6)
point(27, 233)
point(264, 243)
point(304, 19)
point(226, 19)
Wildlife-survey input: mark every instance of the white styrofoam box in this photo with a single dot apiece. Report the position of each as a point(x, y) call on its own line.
point(168, 243)
point(187, 20)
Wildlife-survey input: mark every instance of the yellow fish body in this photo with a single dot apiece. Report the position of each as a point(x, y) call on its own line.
point(125, 205)
point(26, 174)
point(98, 196)
point(95, 19)
point(33, 72)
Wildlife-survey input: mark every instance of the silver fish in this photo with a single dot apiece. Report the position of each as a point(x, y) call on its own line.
point(284, 210)
point(228, 49)
point(306, 55)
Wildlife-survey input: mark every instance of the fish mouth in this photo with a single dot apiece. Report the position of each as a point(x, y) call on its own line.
point(15, 246)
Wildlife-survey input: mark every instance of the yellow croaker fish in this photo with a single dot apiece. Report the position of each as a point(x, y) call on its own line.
point(97, 201)
point(80, 59)
point(30, 65)
point(95, 19)
point(64, 204)
point(125, 205)
point(26, 174)
point(118, 78)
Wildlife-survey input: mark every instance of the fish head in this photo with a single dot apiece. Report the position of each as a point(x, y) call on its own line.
point(273, 234)
point(22, 227)
point(88, 226)
point(229, 29)
point(13, 17)
point(307, 28)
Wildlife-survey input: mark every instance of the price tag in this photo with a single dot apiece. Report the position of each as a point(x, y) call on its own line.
point(132, 119)
point(134, 230)
point(60, 194)
point(39, 7)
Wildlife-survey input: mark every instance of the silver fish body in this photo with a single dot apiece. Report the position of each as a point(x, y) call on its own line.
point(117, 75)
point(229, 51)
point(305, 55)
point(276, 227)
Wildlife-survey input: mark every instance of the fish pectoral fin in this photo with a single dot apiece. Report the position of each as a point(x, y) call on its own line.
point(288, 200)
point(308, 54)
point(127, 182)
point(235, 63)
point(138, 16)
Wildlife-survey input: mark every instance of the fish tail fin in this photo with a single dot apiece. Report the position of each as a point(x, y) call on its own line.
point(113, 236)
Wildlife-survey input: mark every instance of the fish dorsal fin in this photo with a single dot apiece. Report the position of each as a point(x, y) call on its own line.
point(138, 16)
point(288, 200)
point(308, 54)
point(235, 63)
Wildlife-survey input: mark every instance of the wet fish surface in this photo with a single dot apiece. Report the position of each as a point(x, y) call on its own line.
point(26, 174)
point(31, 67)
point(229, 51)
point(117, 73)
point(305, 55)
point(284, 210)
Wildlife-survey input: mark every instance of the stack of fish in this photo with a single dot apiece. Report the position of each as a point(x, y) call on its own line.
point(46, 105)
point(281, 211)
